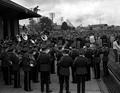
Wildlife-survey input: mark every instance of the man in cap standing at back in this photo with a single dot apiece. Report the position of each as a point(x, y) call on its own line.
point(44, 63)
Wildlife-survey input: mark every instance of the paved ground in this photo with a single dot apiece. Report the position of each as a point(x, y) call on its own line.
point(112, 84)
point(93, 86)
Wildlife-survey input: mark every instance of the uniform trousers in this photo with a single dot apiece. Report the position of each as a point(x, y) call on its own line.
point(81, 83)
point(63, 79)
point(73, 74)
point(34, 74)
point(116, 55)
point(27, 81)
point(45, 81)
point(97, 70)
point(16, 79)
point(7, 75)
point(89, 73)
point(105, 68)
point(53, 67)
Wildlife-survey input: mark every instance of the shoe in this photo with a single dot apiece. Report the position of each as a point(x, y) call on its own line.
point(73, 81)
point(68, 92)
point(49, 82)
point(17, 87)
point(36, 81)
point(49, 91)
point(30, 90)
point(26, 89)
point(53, 73)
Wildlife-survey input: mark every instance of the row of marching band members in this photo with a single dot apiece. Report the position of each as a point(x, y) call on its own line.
point(81, 61)
point(35, 60)
point(31, 59)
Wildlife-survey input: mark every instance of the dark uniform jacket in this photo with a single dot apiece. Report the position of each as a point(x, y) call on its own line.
point(80, 65)
point(65, 62)
point(74, 53)
point(97, 53)
point(26, 62)
point(5, 59)
point(15, 61)
point(44, 62)
point(89, 55)
point(58, 55)
point(105, 54)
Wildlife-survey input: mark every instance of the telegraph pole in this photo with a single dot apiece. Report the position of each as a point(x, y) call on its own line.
point(52, 15)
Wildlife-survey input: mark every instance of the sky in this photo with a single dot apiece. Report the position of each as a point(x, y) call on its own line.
point(85, 12)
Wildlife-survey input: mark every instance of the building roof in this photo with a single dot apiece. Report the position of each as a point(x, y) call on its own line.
point(9, 8)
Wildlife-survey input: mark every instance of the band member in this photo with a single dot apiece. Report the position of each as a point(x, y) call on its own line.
point(33, 64)
point(27, 70)
point(64, 72)
point(6, 66)
point(81, 71)
point(14, 57)
point(88, 55)
point(59, 54)
point(74, 53)
point(97, 61)
point(35, 68)
point(44, 63)
point(52, 57)
point(105, 59)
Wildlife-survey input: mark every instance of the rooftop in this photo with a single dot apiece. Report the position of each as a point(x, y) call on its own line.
point(8, 7)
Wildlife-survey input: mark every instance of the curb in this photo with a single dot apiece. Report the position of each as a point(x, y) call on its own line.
point(102, 86)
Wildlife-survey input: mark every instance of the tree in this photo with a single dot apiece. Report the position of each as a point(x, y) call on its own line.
point(31, 26)
point(64, 26)
point(46, 24)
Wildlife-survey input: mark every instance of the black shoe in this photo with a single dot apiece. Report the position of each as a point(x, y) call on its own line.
point(74, 82)
point(49, 82)
point(36, 81)
point(49, 91)
point(68, 92)
point(30, 90)
point(26, 89)
point(17, 86)
point(53, 73)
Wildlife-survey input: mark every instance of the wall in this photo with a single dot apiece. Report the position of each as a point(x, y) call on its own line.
point(1, 28)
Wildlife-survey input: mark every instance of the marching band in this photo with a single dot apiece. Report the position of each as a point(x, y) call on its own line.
point(35, 56)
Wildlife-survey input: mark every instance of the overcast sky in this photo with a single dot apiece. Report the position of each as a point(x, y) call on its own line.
point(78, 11)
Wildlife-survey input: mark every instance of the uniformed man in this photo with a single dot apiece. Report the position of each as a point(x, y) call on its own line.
point(44, 63)
point(74, 53)
point(52, 57)
point(81, 71)
point(6, 66)
point(96, 64)
point(27, 70)
point(35, 68)
point(105, 59)
point(14, 57)
point(88, 54)
point(65, 62)
point(58, 57)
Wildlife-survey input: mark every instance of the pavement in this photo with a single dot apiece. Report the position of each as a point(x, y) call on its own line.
point(92, 86)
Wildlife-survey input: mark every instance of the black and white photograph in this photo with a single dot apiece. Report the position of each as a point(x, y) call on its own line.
point(59, 46)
